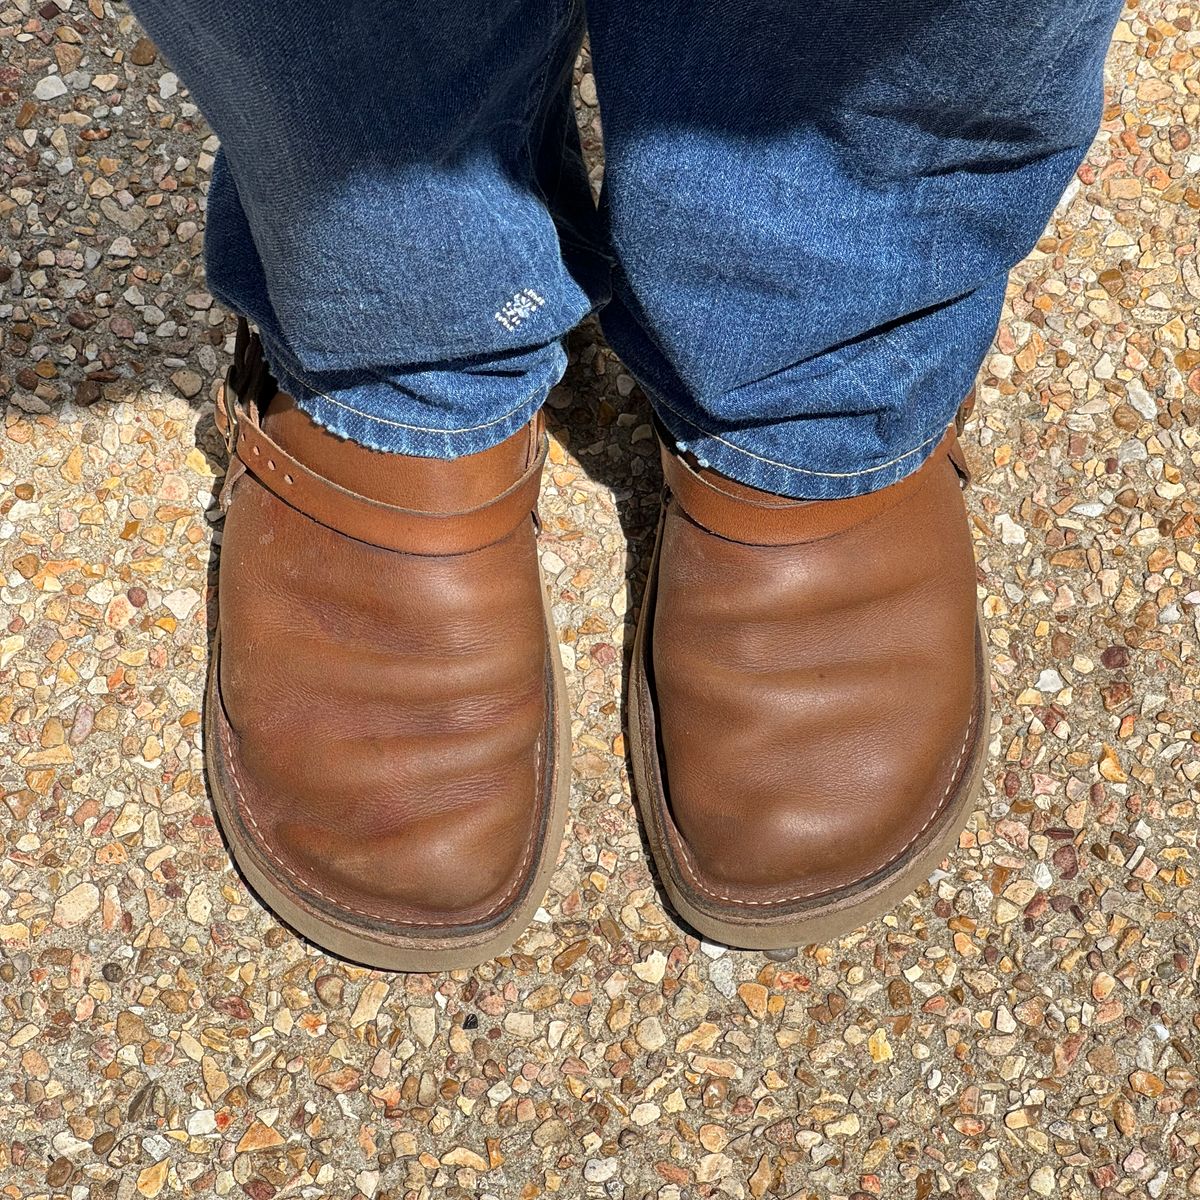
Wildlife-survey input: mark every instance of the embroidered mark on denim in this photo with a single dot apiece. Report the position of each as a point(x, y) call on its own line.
point(519, 309)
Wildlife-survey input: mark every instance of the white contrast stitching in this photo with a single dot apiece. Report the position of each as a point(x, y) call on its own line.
point(293, 376)
point(416, 428)
point(800, 470)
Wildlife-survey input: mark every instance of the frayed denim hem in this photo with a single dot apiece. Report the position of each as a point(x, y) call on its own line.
point(722, 455)
point(355, 413)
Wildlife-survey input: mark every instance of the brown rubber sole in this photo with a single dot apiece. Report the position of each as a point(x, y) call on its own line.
point(381, 945)
point(823, 918)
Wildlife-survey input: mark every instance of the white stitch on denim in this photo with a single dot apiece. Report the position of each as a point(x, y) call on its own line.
point(415, 428)
point(716, 437)
point(523, 305)
point(297, 377)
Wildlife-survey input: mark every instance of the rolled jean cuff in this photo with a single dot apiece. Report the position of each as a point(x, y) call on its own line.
point(435, 411)
point(721, 454)
point(843, 423)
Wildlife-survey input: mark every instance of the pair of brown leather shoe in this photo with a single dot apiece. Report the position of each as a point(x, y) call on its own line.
point(387, 726)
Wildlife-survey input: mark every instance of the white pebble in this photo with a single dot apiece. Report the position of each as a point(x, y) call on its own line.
point(50, 88)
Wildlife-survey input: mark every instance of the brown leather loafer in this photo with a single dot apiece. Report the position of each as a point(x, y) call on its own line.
point(387, 733)
point(809, 701)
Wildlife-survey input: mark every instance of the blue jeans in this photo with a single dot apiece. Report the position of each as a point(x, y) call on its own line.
point(808, 215)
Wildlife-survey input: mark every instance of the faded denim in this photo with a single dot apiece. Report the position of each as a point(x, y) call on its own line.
point(808, 216)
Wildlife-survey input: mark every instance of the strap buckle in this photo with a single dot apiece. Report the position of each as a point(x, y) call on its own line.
point(242, 378)
point(244, 384)
point(965, 409)
point(225, 417)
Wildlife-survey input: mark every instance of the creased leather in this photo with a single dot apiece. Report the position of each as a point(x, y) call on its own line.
point(814, 678)
point(384, 715)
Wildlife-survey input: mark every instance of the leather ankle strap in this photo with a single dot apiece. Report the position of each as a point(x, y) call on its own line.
point(742, 514)
point(388, 526)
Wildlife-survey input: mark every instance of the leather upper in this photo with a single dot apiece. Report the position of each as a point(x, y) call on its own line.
point(383, 670)
point(815, 677)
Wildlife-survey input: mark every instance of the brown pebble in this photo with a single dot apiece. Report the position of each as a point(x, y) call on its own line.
point(59, 1172)
point(87, 391)
point(144, 52)
point(330, 990)
point(1146, 1083)
point(1115, 657)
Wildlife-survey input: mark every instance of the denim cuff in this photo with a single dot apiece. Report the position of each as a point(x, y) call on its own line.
point(719, 453)
point(362, 406)
point(844, 423)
